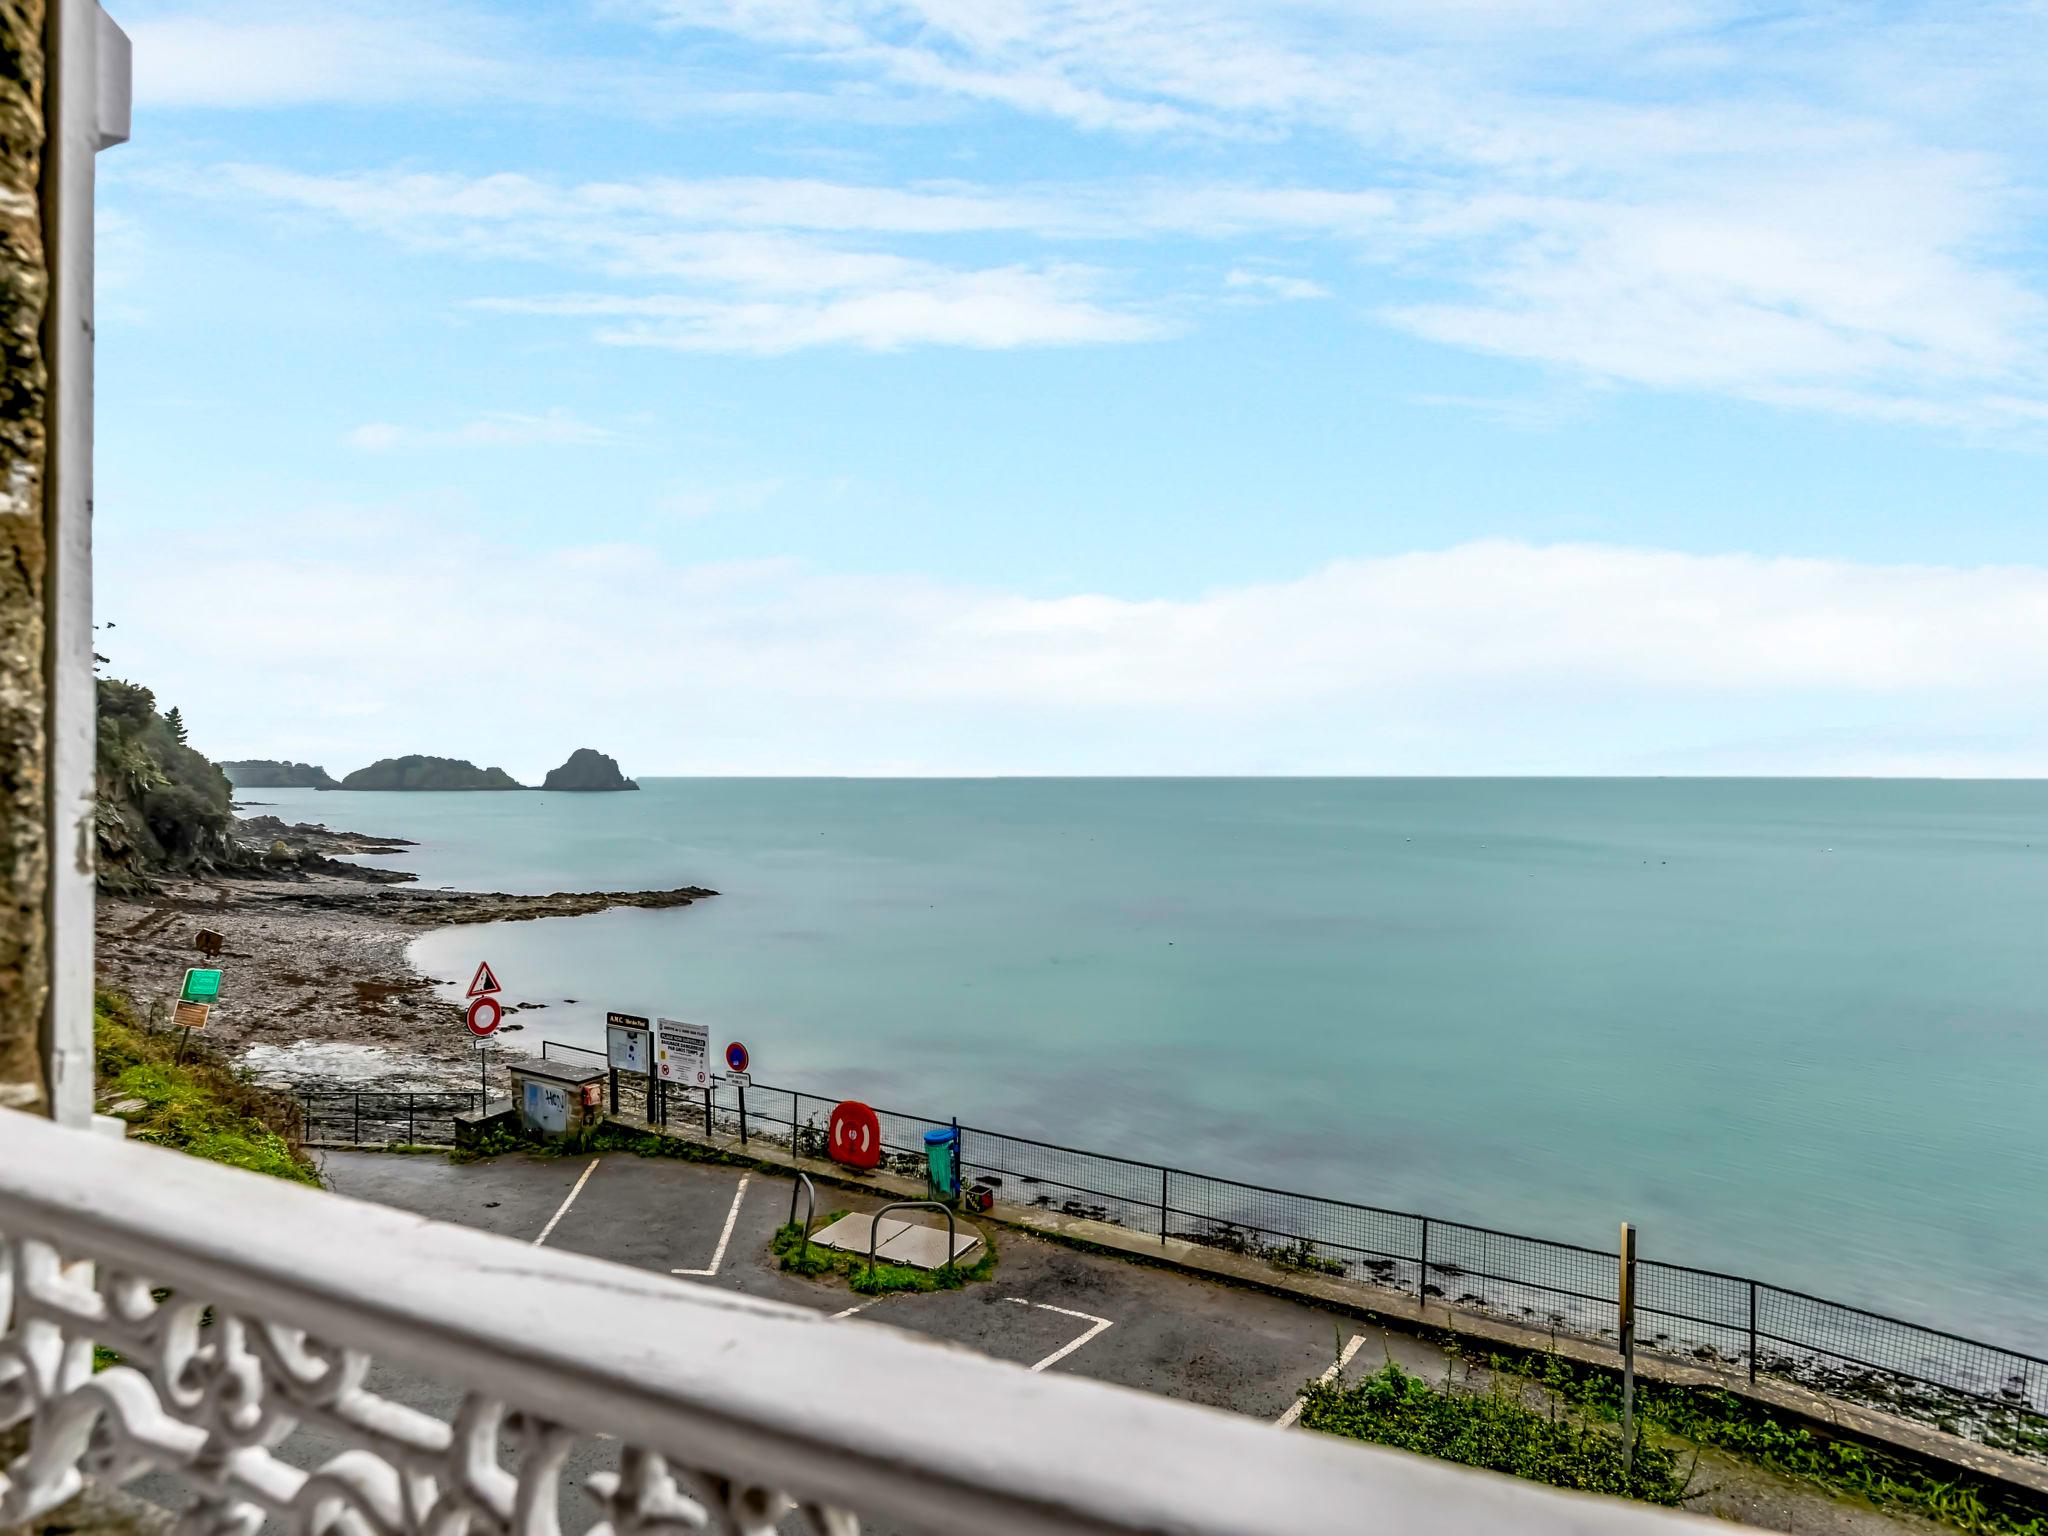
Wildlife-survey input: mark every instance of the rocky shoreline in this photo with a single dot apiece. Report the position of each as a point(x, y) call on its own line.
point(318, 983)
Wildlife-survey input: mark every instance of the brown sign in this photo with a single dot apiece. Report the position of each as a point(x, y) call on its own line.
point(209, 943)
point(189, 1015)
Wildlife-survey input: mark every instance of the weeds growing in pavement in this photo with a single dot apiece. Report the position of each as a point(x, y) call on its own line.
point(811, 1261)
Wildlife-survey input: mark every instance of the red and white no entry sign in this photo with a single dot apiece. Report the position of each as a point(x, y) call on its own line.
point(484, 1015)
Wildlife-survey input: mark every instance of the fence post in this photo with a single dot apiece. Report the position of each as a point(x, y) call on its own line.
point(1625, 1309)
point(1164, 1175)
point(410, 1138)
point(1752, 1330)
point(743, 1113)
point(357, 1139)
point(1422, 1267)
point(707, 1111)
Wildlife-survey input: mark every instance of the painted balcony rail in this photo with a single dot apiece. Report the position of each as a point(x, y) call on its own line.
point(326, 1366)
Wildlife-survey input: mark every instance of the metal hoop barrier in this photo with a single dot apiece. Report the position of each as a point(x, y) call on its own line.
point(803, 1181)
point(875, 1226)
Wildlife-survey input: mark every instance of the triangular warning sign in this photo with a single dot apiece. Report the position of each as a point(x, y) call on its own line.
point(483, 981)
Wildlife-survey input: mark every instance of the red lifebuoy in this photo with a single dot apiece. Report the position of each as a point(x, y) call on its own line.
point(855, 1135)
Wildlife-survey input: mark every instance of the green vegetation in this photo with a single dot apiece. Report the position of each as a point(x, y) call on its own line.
point(1752, 1431)
point(812, 1262)
point(195, 1105)
point(417, 772)
point(162, 807)
point(1497, 1428)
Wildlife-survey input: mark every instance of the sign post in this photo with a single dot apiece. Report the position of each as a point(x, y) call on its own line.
point(485, 1015)
point(736, 1059)
point(629, 1047)
point(196, 998)
point(681, 1055)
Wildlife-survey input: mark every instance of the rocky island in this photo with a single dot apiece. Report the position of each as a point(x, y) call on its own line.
point(588, 769)
point(417, 772)
point(264, 773)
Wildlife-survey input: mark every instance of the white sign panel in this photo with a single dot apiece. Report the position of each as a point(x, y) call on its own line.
point(627, 1047)
point(682, 1052)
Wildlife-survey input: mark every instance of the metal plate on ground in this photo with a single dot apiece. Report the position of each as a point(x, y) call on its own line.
point(924, 1247)
point(850, 1234)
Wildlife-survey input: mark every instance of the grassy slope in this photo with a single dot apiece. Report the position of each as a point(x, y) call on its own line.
point(197, 1105)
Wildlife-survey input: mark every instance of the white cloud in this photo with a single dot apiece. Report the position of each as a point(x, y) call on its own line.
point(1676, 195)
point(913, 304)
point(706, 501)
point(1815, 209)
point(1274, 285)
point(494, 429)
point(232, 54)
point(1482, 657)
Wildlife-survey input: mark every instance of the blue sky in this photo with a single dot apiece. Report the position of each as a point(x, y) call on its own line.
point(1127, 386)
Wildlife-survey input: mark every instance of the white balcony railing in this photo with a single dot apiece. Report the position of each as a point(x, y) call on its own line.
point(262, 1325)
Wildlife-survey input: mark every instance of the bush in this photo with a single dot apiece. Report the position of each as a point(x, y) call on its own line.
point(196, 1105)
point(1497, 1429)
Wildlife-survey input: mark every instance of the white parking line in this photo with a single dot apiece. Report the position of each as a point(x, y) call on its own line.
point(731, 1216)
point(1099, 1324)
point(567, 1201)
point(1286, 1420)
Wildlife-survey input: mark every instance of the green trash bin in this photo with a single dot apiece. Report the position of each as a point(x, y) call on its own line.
point(940, 1172)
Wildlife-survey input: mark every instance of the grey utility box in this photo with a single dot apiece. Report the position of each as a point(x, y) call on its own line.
point(555, 1099)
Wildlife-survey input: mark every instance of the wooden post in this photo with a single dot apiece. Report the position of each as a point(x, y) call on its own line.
point(1625, 1294)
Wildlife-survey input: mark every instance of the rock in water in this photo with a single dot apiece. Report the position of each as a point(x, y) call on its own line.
point(417, 772)
point(587, 768)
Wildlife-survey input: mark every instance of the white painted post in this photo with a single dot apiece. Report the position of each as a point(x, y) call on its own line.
point(86, 108)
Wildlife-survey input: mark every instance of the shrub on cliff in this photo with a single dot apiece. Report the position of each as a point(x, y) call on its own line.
point(197, 1104)
point(162, 807)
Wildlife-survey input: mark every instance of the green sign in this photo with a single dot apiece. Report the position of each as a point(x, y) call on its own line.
point(201, 987)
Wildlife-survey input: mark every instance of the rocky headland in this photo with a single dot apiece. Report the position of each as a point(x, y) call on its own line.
point(588, 770)
point(419, 772)
point(266, 773)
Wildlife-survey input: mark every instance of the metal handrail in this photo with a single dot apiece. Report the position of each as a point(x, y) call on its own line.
point(875, 1226)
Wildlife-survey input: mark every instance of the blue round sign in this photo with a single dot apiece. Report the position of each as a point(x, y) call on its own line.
point(736, 1057)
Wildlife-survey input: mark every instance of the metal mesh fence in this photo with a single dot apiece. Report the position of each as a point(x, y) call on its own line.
point(1701, 1316)
point(384, 1118)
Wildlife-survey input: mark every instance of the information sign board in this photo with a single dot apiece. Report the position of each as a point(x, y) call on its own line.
point(682, 1052)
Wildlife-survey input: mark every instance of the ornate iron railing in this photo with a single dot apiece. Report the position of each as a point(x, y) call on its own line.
point(342, 1368)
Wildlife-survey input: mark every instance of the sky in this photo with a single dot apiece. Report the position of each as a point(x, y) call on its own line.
point(1083, 386)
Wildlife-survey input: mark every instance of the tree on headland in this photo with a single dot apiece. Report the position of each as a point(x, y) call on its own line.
point(175, 719)
point(162, 807)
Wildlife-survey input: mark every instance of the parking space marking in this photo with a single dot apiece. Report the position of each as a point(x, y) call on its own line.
point(1286, 1420)
point(567, 1201)
point(731, 1216)
point(1097, 1325)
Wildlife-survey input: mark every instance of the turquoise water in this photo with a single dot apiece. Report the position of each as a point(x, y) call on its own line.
point(1796, 1029)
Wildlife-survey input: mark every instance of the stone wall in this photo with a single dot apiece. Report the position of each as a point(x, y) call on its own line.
point(24, 955)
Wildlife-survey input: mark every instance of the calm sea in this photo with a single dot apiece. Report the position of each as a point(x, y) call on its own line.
point(1795, 1029)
